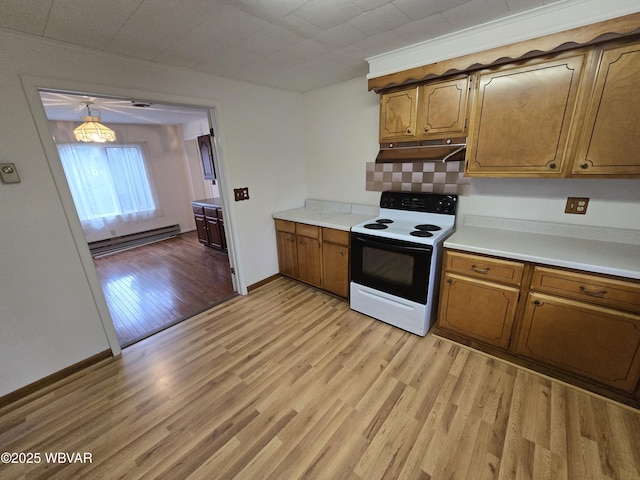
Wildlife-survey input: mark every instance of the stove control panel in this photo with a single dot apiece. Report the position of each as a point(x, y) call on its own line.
point(420, 202)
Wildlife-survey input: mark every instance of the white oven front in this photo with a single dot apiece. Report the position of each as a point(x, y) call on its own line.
point(394, 281)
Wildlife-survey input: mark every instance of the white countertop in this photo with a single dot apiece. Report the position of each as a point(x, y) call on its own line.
point(341, 216)
point(608, 251)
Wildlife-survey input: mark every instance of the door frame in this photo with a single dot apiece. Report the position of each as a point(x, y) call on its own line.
point(32, 85)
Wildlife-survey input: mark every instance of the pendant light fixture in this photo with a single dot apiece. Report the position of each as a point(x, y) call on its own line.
point(91, 130)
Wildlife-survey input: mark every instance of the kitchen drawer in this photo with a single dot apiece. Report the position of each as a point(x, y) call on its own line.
point(600, 290)
point(211, 212)
point(285, 226)
point(335, 236)
point(494, 269)
point(305, 230)
point(197, 209)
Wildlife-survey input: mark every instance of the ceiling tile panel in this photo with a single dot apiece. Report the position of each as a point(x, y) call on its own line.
point(424, 29)
point(28, 16)
point(328, 13)
point(475, 12)
point(380, 20)
point(158, 24)
point(417, 9)
point(269, 10)
point(339, 36)
point(299, 26)
point(381, 43)
point(91, 23)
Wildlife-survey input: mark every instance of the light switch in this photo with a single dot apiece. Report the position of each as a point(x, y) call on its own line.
point(8, 173)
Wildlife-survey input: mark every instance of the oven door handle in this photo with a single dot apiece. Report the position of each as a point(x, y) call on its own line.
point(387, 246)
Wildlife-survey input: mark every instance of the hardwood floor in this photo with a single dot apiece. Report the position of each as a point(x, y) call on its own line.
point(289, 383)
point(151, 287)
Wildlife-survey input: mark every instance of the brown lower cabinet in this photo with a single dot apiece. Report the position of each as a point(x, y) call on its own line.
point(315, 255)
point(580, 327)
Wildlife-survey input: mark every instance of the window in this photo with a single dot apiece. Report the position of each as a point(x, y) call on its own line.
point(108, 183)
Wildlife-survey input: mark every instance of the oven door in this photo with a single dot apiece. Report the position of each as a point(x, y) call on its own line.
point(392, 266)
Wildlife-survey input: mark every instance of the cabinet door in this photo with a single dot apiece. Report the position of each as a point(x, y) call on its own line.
point(287, 253)
point(610, 142)
point(398, 115)
point(443, 108)
point(335, 268)
point(201, 227)
point(309, 260)
point(597, 343)
point(477, 309)
point(223, 238)
point(522, 117)
point(214, 232)
point(206, 155)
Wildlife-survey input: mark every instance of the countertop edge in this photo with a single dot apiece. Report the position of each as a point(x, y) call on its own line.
point(339, 216)
point(594, 256)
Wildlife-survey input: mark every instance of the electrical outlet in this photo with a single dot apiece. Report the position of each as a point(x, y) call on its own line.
point(576, 205)
point(241, 194)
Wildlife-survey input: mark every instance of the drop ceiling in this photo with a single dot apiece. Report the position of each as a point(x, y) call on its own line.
point(296, 45)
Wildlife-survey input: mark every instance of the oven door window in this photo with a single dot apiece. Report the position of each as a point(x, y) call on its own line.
point(392, 266)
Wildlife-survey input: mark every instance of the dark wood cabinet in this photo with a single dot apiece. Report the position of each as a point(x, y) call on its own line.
point(210, 225)
point(205, 147)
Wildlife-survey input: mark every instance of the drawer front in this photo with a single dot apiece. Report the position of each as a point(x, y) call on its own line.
point(211, 212)
point(285, 226)
point(494, 269)
point(197, 209)
point(308, 230)
point(335, 236)
point(590, 288)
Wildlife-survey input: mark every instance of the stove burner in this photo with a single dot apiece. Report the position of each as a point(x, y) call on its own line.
point(421, 233)
point(428, 227)
point(375, 226)
point(384, 220)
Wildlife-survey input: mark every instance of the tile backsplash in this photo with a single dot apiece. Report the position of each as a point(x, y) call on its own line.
point(434, 177)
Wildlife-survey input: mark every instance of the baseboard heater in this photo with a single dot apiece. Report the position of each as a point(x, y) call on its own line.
point(124, 242)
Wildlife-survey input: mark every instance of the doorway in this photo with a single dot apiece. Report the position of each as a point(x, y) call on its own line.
point(147, 285)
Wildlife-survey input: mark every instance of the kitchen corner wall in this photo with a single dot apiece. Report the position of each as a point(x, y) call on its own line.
point(432, 177)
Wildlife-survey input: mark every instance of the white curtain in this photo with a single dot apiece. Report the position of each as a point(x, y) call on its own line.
point(109, 184)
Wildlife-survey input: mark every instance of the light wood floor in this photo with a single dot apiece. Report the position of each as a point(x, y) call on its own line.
point(151, 287)
point(289, 383)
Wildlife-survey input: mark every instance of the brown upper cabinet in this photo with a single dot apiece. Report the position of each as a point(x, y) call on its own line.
point(434, 110)
point(610, 139)
point(443, 108)
point(399, 114)
point(522, 116)
point(562, 105)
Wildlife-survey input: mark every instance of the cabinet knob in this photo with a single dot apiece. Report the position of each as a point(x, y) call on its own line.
point(552, 166)
point(537, 302)
point(426, 129)
point(584, 166)
point(408, 130)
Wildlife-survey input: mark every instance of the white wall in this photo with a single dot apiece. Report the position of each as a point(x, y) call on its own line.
point(341, 136)
point(49, 319)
